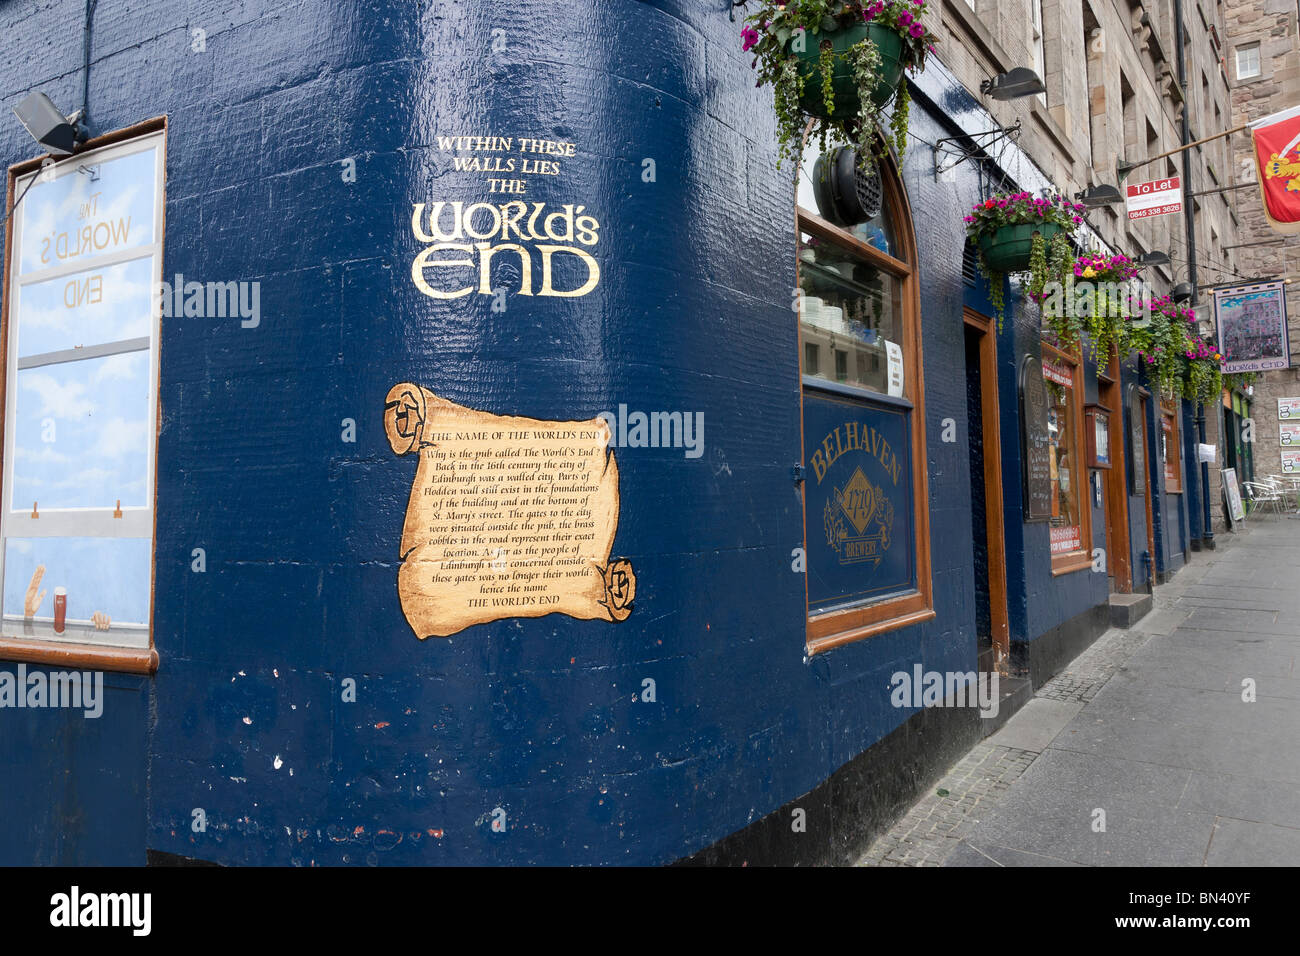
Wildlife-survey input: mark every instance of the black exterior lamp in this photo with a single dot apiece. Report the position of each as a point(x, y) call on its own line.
point(1103, 195)
point(1155, 257)
point(1181, 292)
point(48, 126)
point(1123, 167)
point(1022, 81)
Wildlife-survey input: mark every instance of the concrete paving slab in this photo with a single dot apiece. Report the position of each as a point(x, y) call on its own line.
point(1242, 843)
point(1245, 798)
point(1035, 726)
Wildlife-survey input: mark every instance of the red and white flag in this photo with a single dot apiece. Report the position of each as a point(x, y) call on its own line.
point(1277, 153)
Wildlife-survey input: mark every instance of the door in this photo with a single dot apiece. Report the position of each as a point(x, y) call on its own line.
point(1119, 565)
point(985, 455)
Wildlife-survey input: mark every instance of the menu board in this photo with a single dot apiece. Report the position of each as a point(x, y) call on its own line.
point(1232, 492)
point(1036, 440)
point(1137, 443)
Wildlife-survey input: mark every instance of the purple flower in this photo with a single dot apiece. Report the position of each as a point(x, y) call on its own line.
point(904, 18)
point(750, 36)
point(916, 30)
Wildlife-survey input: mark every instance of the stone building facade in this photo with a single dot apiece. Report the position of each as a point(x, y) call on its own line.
point(1262, 58)
point(1110, 67)
point(1112, 92)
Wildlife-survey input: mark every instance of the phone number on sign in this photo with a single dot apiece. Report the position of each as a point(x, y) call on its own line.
point(1157, 211)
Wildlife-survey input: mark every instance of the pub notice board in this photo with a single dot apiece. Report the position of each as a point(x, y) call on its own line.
point(1037, 441)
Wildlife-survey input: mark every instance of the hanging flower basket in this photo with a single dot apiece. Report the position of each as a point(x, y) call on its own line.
point(1164, 343)
point(1011, 248)
point(1097, 301)
point(840, 62)
point(1020, 232)
point(846, 100)
point(1202, 371)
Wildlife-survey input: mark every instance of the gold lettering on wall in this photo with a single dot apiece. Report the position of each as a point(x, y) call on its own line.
point(547, 249)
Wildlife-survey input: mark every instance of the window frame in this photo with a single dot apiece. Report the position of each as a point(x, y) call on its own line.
point(829, 629)
point(1259, 60)
point(1081, 558)
point(141, 521)
point(1038, 44)
point(1169, 412)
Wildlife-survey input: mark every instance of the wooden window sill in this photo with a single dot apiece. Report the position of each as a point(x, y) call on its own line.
point(1078, 561)
point(833, 630)
point(127, 660)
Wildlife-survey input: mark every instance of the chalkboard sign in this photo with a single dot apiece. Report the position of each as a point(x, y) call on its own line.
point(1037, 441)
point(1137, 440)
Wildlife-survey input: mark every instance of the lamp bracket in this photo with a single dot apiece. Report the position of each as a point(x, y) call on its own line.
point(969, 146)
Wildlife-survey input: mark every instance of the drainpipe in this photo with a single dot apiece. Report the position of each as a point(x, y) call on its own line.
point(1189, 221)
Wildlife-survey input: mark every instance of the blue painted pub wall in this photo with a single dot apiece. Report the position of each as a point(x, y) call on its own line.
point(245, 718)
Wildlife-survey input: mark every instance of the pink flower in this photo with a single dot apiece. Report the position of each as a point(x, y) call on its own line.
point(916, 30)
point(750, 36)
point(904, 18)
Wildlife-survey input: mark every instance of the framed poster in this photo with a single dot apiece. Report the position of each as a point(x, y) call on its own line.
point(1291, 461)
point(1289, 434)
point(1288, 409)
point(1251, 324)
point(1097, 428)
point(1232, 492)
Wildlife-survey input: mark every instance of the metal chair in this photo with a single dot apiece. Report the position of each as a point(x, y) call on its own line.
point(1262, 493)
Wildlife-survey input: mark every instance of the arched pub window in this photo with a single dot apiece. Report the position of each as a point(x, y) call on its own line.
point(866, 520)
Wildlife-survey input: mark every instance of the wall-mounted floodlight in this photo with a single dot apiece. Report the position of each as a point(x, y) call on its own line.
point(58, 133)
point(1022, 81)
point(1182, 292)
point(1153, 258)
point(1095, 196)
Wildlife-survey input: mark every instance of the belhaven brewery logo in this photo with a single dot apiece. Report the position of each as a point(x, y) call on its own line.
point(858, 516)
point(870, 519)
point(546, 253)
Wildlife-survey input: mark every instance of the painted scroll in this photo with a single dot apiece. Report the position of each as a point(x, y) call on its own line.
point(508, 517)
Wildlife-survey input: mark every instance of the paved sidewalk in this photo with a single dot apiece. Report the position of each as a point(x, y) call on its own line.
point(1147, 734)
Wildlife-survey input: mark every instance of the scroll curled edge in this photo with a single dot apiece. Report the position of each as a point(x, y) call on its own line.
point(435, 602)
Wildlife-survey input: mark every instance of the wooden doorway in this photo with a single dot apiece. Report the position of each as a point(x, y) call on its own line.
point(1110, 399)
point(985, 444)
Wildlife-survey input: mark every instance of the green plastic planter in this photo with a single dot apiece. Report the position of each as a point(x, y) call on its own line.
point(1008, 248)
point(847, 101)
